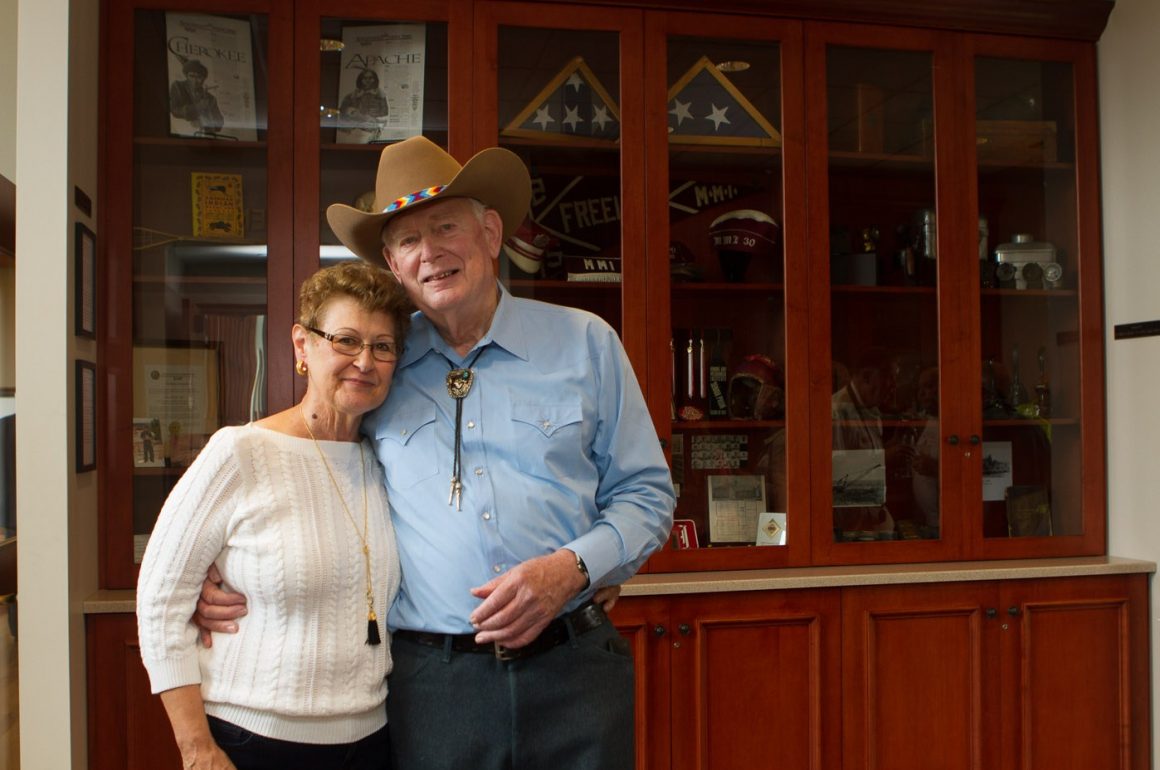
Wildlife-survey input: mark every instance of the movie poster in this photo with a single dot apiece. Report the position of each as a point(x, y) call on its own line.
point(211, 77)
point(381, 83)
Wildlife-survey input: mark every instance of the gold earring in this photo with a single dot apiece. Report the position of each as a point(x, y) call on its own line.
point(300, 367)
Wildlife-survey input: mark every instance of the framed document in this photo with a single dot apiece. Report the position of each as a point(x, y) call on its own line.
point(735, 503)
point(177, 387)
point(85, 310)
point(86, 415)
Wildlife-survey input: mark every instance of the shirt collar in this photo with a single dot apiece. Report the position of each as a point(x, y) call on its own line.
point(506, 331)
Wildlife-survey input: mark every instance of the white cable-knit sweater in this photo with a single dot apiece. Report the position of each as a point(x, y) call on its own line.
point(261, 505)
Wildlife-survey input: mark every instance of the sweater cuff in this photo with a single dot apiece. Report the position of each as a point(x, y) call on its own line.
point(169, 673)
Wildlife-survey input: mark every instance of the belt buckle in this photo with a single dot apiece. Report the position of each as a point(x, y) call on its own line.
point(503, 653)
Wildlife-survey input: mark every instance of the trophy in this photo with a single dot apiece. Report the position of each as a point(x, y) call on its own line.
point(1018, 394)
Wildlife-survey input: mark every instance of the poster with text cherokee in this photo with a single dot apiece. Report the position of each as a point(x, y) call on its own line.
point(211, 77)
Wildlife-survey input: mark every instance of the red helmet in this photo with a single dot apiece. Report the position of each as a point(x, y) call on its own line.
point(526, 246)
point(744, 230)
point(756, 389)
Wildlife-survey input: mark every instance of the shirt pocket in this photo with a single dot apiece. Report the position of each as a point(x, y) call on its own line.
point(549, 437)
point(407, 446)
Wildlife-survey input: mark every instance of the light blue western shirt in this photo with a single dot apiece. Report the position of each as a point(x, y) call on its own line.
point(558, 451)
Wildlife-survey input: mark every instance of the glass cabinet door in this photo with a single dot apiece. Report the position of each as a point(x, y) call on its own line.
point(558, 103)
point(730, 360)
point(203, 226)
point(1035, 287)
point(879, 481)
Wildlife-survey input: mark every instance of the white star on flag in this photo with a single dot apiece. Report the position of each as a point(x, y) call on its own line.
point(681, 110)
point(717, 116)
point(600, 116)
point(572, 117)
point(543, 118)
point(576, 81)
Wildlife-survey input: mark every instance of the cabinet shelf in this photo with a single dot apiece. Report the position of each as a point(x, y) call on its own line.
point(197, 144)
point(1050, 293)
point(707, 425)
point(850, 288)
point(1032, 422)
point(728, 288)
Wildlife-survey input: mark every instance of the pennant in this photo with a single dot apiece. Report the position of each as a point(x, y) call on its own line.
point(573, 106)
point(705, 108)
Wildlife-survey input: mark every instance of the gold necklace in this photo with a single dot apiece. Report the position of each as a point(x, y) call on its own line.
point(372, 619)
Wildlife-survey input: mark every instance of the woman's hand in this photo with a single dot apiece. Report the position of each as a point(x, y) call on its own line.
point(606, 597)
point(186, 712)
point(205, 757)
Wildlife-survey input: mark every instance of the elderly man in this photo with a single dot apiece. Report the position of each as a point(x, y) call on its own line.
point(523, 472)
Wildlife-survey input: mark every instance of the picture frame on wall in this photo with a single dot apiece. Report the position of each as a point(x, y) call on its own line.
point(86, 416)
point(85, 255)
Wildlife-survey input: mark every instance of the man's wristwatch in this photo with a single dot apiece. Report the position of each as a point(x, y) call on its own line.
point(580, 565)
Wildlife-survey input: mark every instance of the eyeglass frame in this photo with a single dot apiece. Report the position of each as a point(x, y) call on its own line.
point(396, 353)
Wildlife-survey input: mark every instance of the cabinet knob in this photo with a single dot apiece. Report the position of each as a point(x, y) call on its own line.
point(664, 443)
point(684, 629)
point(975, 439)
point(992, 612)
point(1013, 611)
point(658, 631)
point(953, 439)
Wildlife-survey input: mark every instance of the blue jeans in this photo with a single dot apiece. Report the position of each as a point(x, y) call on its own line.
point(568, 708)
point(249, 751)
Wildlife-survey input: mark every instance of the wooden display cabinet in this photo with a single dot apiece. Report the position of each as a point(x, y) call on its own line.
point(982, 667)
point(862, 158)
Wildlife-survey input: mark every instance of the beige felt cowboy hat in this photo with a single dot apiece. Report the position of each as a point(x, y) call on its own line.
point(416, 171)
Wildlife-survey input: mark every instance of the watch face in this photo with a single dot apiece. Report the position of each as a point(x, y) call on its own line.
point(1005, 271)
point(1052, 271)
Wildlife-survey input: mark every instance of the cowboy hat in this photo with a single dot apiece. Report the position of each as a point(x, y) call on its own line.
point(416, 171)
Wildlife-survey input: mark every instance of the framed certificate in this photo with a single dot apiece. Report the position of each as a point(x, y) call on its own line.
point(735, 502)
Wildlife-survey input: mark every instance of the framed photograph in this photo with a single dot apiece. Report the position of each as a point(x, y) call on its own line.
point(147, 443)
point(735, 502)
point(84, 256)
point(86, 415)
point(859, 478)
point(177, 387)
point(997, 470)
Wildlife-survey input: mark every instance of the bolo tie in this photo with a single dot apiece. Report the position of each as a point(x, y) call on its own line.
point(459, 382)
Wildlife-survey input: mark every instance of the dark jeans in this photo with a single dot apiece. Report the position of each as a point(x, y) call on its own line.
point(569, 708)
point(249, 751)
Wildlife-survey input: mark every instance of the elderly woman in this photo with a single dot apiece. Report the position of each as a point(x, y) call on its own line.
point(292, 511)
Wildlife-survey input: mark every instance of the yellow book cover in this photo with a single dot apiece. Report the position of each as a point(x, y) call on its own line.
point(218, 210)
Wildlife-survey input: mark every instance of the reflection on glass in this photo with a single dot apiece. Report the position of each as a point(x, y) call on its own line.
point(884, 309)
point(199, 264)
point(1030, 307)
point(726, 271)
point(559, 111)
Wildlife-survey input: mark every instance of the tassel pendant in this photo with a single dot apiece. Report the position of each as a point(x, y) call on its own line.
point(373, 637)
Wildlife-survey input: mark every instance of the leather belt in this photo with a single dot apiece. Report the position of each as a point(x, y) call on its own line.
point(582, 620)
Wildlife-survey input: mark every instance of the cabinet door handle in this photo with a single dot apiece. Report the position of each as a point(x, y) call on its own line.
point(684, 629)
point(953, 439)
point(658, 631)
point(1013, 611)
point(992, 612)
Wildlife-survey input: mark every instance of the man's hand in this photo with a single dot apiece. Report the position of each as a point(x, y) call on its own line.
point(217, 609)
point(518, 604)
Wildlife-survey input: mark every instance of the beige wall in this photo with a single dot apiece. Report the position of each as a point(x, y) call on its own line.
point(1130, 138)
point(8, 88)
point(56, 130)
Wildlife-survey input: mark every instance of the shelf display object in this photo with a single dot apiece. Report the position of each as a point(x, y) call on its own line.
point(884, 270)
point(558, 109)
point(200, 158)
point(1030, 368)
point(726, 276)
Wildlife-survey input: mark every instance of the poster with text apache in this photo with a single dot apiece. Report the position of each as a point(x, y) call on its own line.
point(380, 85)
point(211, 77)
point(573, 106)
